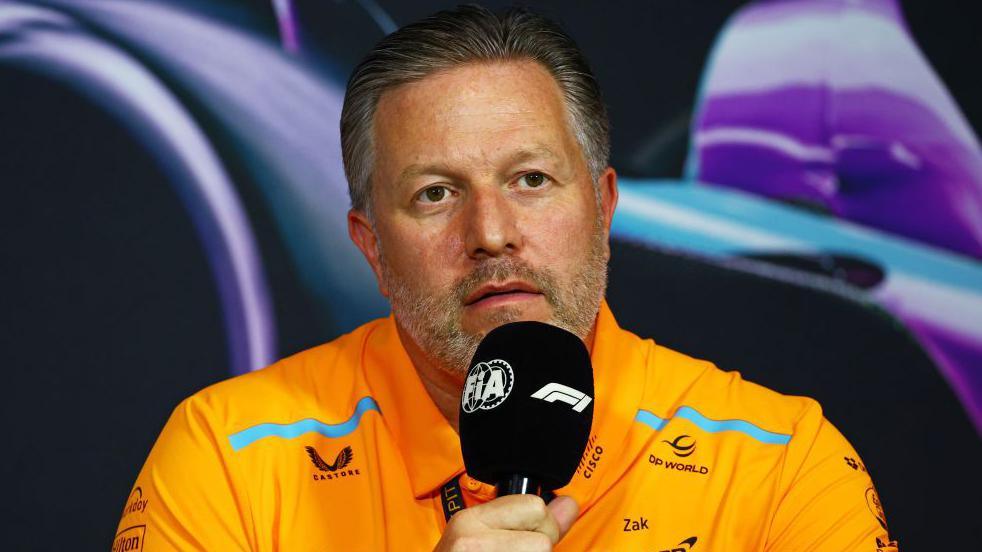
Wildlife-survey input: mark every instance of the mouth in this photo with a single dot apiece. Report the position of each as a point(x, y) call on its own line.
point(491, 293)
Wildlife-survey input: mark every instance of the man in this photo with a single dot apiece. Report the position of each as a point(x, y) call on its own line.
point(475, 147)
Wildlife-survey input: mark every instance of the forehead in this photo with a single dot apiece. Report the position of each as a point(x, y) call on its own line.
point(474, 112)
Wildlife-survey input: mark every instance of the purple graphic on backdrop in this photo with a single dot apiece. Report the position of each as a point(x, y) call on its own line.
point(936, 294)
point(831, 104)
point(279, 119)
point(47, 42)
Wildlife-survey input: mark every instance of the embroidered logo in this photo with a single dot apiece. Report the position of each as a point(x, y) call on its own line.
point(335, 470)
point(681, 449)
point(343, 459)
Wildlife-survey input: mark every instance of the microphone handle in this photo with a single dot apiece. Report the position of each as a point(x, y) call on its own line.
point(519, 484)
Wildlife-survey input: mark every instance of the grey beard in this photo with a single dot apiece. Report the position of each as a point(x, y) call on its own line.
point(433, 320)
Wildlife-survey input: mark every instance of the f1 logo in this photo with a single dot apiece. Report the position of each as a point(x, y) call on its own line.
point(552, 392)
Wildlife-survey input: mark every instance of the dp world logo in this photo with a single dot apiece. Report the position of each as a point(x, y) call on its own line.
point(488, 385)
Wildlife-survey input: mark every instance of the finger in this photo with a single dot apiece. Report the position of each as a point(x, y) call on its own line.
point(495, 539)
point(564, 510)
point(515, 541)
point(519, 513)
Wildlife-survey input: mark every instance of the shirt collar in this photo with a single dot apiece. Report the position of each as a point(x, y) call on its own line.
point(431, 447)
point(619, 368)
point(429, 444)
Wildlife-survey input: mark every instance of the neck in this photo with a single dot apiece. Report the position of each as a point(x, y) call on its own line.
point(443, 384)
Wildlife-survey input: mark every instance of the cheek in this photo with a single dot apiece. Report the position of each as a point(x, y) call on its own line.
point(560, 236)
point(448, 251)
point(428, 258)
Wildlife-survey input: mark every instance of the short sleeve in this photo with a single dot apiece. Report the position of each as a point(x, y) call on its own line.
point(829, 500)
point(186, 497)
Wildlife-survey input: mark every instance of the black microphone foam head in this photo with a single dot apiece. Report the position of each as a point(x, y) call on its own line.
point(527, 405)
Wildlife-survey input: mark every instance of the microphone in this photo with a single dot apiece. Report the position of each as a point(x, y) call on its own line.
point(527, 408)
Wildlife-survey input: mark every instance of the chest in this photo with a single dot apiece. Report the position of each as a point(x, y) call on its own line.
point(350, 493)
point(666, 494)
point(677, 491)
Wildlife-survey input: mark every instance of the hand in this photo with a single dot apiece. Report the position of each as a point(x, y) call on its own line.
point(514, 523)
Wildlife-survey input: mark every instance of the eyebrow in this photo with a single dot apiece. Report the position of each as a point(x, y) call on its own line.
point(520, 156)
point(418, 169)
point(531, 154)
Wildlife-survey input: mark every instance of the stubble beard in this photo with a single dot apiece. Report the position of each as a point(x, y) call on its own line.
point(433, 320)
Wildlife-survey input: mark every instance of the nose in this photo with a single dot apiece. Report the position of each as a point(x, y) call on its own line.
point(491, 224)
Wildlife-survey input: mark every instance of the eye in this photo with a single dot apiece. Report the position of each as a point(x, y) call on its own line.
point(533, 179)
point(433, 194)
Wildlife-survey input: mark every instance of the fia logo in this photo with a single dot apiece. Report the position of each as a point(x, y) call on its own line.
point(488, 384)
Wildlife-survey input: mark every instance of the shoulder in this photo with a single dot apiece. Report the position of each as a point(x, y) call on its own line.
point(321, 381)
point(785, 448)
point(194, 490)
point(682, 385)
point(728, 409)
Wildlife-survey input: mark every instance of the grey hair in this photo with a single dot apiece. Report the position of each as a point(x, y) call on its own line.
point(452, 38)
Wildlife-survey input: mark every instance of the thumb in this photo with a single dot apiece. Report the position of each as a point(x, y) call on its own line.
point(565, 510)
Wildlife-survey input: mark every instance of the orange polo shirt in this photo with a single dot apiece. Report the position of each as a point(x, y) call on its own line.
point(341, 448)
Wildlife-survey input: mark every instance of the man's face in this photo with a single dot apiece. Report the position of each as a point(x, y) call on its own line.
point(484, 210)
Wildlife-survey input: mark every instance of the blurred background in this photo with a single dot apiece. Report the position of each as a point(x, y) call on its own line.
point(801, 201)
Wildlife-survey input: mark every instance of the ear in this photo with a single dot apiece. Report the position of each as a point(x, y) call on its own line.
point(363, 234)
point(608, 200)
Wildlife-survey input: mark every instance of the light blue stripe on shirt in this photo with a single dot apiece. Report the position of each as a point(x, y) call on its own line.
point(248, 436)
point(714, 426)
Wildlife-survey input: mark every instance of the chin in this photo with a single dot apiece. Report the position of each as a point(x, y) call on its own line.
point(507, 314)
